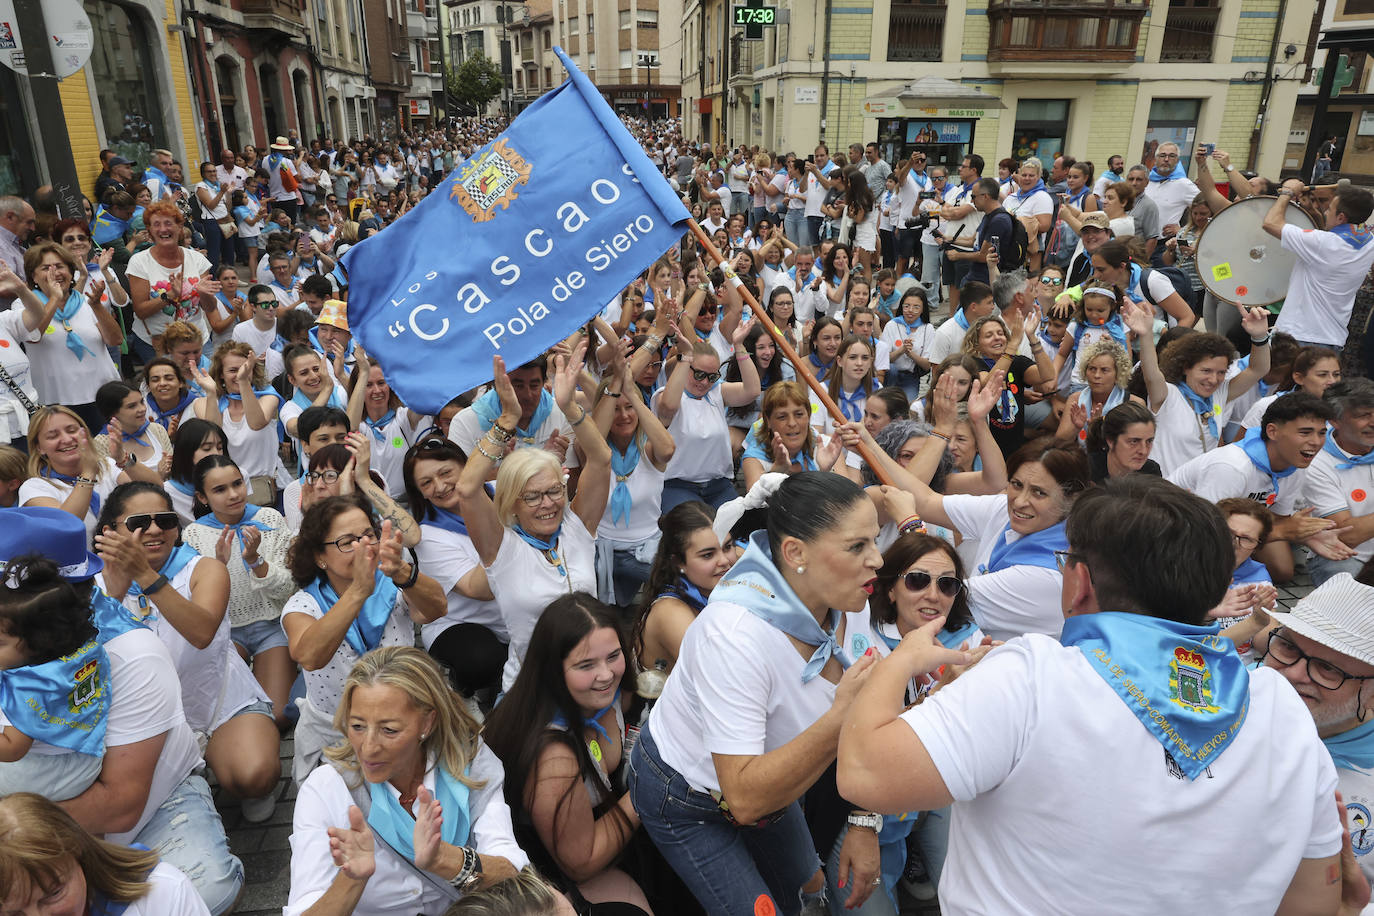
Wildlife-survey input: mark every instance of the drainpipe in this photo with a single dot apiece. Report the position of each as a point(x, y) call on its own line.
point(825, 69)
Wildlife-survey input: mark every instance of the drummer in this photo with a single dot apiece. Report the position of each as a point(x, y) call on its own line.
point(1332, 264)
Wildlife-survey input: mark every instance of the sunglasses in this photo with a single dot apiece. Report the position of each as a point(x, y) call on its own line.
point(266, 304)
point(1052, 281)
point(708, 309)
point(949, 586)
point(705, 376)
point(165, 521)
point(76, 238)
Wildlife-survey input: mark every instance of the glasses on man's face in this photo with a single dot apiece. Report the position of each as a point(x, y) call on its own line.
point(535, 497)
point(266, 303)
point(165, 521)
point(1244, 541)
point(1320, 672)
point(1166, 155)
point(709, 377)
point(349, 542)
point(1052, 281)
point(918, 581)
point(329, 476)
point(1062, 558)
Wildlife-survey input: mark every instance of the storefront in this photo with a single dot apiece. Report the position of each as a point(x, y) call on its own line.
point(1041, 126)
point(935, 116)
point(945, 142)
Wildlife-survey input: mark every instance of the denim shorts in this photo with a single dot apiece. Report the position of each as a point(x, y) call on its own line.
point(259, 636)
point(187, 833)
point(259, 707)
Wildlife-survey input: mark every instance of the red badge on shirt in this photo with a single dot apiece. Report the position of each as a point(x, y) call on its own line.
point(1357, 495)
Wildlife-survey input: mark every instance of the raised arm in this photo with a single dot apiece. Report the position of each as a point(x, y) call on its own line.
point(484, 525)
point(594, 483)
point(1254, 322)
point(1141, 320)
point(1206, 184)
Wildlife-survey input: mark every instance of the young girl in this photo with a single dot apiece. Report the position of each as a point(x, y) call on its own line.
point(849, 387)
point(962, 368)
point(54, 684)
point(238, 400)
point(907, 336)
point(195, 439)
point(1314, 370)
point(1097, 317)
point(822, 346)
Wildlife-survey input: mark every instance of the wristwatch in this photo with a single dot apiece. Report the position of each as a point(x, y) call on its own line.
point(470, 875)
point(872, 822)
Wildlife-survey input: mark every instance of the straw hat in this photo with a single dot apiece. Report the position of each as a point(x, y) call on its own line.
point(282, 145)
point(1339, 615)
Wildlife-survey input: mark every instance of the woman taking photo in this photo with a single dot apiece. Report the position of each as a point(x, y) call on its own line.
point(251, 541)
point(194, 440)
point(785, 440)
point(1119, 442)
point(356, 593)
point(52, 865)
point(168, 282)
point(1016, 588)
point(212, 208)
point(409, 814)
point(70, 358)
point(640, 451)
point(690, 562)
point(534, 544)
point(145, 446)
point(470, 640)
point(182, 597)
point(238, 400)
point(560, 733)
point(723, 789)
point(168, 395)
point(64, 470)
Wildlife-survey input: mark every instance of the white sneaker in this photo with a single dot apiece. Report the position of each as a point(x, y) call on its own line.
point(257, 810)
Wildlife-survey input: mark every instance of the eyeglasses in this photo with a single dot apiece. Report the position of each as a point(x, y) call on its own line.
point(1063, 558)
point(656, 364)
point(266, 304)
point(709, 309)
point(1244, 541)
point(918, 581)
point(165, 521)
point(76, 238)
point(348, 542)
point(705, 376)
point(329, 476)
point(1322, 673)
point(553, 494)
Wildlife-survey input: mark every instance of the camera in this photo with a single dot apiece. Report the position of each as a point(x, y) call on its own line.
point(927, 195)
point(921, 221)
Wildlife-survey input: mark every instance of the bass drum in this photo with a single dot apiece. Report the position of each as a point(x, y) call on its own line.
point(1241, 263)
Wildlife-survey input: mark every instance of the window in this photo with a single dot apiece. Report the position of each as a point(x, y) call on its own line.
point(121, 69)
point(1189, 29)
point(915, 30)
point(572, 26)
point(1098, 30)
point(589, 23)
point(624, 19)
point(548, 77)
point(322, 14)
point(1171, 121)
point(626, 60)
point(646, 19)
point(476, 15)
point(548, 39)
point(1041, 125)
point(591, 60)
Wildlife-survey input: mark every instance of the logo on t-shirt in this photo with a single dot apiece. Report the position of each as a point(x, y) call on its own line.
point(1361, 827)
point(1190, 681)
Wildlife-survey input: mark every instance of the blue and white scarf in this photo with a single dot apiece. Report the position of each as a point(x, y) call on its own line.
point(623, 464)
point(1177, 173)
point(442, 518)
point(64, 702)
point(488, 408)
point(65, 314)
point(1034, 549)
point(1354, 749)
point(1345, 462)
point(1207, 409)
point(176, 561)
point(547, 547)
point(162, 417)
point(1254, 446)
point(395, 825)
point(365, 632)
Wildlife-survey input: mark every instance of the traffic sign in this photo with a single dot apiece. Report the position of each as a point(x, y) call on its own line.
point(69, 35)
point(753, 15)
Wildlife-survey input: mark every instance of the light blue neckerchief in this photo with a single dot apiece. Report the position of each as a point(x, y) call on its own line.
point(960, 319)
point(910, 328)
point(1354, 236)
point(249, 520)
point(1185, 684)
point(1116, 396)
point(162, 417)
point(378, 426)
point(442, 518)
point(549, 547)
point(1353, 749)
point(137, 435)
point(1345, 462)
point(176, 562)
point(65, 314)
point(852, 404)
point(365, 632)
point(111, 617)
point(754, 449)
point(488, 408)
point(1133, 285)
point(622, 466)
point(758, 586)
point(1257, 449)
point(683, 590)
point(1034, 549)
point(224, 399)
point(1025, 195)
point(301, 398)
point(394, 825)
point(1206, 408)
point(64, 702)
point(1077, 199)
point(1178, 172)
point(821, 369)
point(1251, 571)
point(593, 721)
point(71, 482)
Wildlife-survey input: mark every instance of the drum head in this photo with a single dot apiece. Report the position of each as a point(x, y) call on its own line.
point(1241, 263)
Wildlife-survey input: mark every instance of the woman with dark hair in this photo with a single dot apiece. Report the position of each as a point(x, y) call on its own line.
point(251, 541)
point(560, 733)
point(167, 393)
point(356, 593)
point(884, 406)
point(823, 338)
point(921, 580)
point(837, 271)
point(1119, 442)
point(1113, 266)
point(771, 367)
point(194, 440)
point(718, 791)
point(862, 210)
point(393, 427)
point(144, 445)
point(1016, 587)
point(53, 866)
point(1315, 369)
point(908, 336)
point(782, 308)
point(183, 598)
point(784, 439)
point(470, 639)
point(237, 399)
point(690, 562)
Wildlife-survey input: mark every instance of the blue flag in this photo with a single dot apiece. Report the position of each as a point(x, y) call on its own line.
point(527, 240)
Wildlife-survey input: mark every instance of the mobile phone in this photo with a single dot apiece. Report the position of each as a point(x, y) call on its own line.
point(996, 241)
point(1209, 148)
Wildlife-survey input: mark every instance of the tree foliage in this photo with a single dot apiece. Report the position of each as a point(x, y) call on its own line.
point(475, 82)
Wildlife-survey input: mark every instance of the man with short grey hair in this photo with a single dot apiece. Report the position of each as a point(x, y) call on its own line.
point(1170, 188)
point(157, 175)
point(1340, 479)
point(16, 225)
point(1144, 212)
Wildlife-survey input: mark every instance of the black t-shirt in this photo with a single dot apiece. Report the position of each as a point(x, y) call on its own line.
point(997, 224)
point(1008, 416)
point(1097, 467)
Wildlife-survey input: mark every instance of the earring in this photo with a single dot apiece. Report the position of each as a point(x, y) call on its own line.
point(801, 570)
point(424, 735)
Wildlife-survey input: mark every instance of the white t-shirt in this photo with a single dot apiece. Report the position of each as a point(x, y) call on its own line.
point(702, 436)
point(1321, 290)
point(261, 341)
point(524, 583)
point(221, 210)
point(52, 488)
point(1033, 205)
point(171, 894)
point(946, 340)
point(14, 419)
point(1172, 198)
point(1228, 471)
point(1254, 415)
point(193, 264)
point(1357, 791)
point(1011, 601)
point(390, 442)
point(395, 889)
point(58, 374)
point(1180, 434)
point(920, 344)
point(466, 428)
point(1330, 490)
point(447, 557)
point(646, 502)
point(736, 689)
point(1027, 837)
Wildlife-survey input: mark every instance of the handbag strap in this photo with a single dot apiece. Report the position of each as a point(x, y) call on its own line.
point(25, 401)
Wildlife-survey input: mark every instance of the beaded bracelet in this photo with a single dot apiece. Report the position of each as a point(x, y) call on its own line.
point(494, 459)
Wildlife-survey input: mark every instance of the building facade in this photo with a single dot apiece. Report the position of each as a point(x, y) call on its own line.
point(1114, 77)
point(348, 106)
point(483, 27)
point(1347, 26)
point(425, 98)
point(388, 55)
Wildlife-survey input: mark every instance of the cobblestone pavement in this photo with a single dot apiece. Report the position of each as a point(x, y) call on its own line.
point(266, 848)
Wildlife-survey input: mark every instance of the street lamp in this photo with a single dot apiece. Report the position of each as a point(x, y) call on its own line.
point(648, 62)
point(503, 16)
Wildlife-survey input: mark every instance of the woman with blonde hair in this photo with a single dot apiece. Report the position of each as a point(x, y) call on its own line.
point(783, 439)
point(65, 472)
point(1107, 370)
point(48, 861)
point(411, 807)
point(239, 401)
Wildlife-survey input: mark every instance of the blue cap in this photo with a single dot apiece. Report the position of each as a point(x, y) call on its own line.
point(57, 535)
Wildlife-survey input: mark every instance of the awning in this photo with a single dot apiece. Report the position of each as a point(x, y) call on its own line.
point(931, 95)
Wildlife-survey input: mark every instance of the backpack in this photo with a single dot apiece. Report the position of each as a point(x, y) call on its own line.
point(1175, 276)
point(1020, 241)
point(288, 179)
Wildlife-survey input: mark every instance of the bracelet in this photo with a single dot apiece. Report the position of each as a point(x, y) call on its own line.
point(1285, 191)
point(500, 435)
point(158, 583)
point(581, 418)
point(939, 435)
point(88, 481)
point(261, 562)
point(414, 572)
point(911, 521)
point(494, 459)
point(1262, 342)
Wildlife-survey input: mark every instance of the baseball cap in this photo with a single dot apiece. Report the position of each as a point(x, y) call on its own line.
point(1096, 220)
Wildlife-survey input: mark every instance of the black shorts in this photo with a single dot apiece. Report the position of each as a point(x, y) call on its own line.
point(908, 240)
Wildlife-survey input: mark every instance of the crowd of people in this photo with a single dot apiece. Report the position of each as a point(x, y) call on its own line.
point(805, 582)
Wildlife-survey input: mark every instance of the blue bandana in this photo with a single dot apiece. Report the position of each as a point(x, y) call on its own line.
point(1177, 173)
point(1023, 195)
point(176, 562)
point(1034, 549)
point(593, 721)
point(1345, 462)
point(1250, 572)
point(1077, 199)
point(1185, 684)
point(162, 417)
point(911, 328)
point(71, 482)
point(1255, 447)
point(1353, 749)
point(395, 825)
point(365, 632)
point(300, 398)
point(684, 591)
point(1113, 326)
point(224, 399)
point(549, 547)
point(622, 466)
point(1114, 397)
point(379, 425)
point(249, 520)
point(442, 518)
point(64, 315)
point(1354, 236)
point(1207, 409)
point(821, 369)
point(960, 319)
point(488, 408)
point(111, 617)
point(758, 586)
point(63, 702)
point(754, 449)
point(852, 404)
point(137, 435)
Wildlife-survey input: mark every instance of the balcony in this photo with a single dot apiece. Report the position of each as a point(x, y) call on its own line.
point(1044, 30)
point(276, 15)
point(527, 55)
point(1188, 33)
point(417, 26)
point(916, 31)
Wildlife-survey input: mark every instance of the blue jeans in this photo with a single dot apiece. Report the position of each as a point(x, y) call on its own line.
point(186, 831)
point(813, 228)
point(930, 271)
point(794, 226)
point(1322, 569)
point(910, 382)
point(714, 493)
point(731, 870)
point(739, 202)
